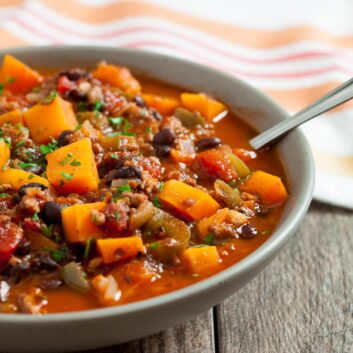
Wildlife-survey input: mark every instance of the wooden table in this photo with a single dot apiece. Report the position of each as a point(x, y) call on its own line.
point(302, 302)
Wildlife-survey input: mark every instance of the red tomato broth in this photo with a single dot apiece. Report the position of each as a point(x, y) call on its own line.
point(236, 134)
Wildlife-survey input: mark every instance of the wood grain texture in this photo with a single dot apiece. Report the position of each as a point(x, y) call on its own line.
point(303, 302)
point(196, 336)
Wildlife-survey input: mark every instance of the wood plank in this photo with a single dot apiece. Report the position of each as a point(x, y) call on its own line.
point(196, 336)
point(303, 302)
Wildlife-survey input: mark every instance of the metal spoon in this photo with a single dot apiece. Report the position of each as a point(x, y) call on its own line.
point(339, 95)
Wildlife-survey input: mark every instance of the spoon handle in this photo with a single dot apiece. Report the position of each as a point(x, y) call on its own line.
point(339, 95)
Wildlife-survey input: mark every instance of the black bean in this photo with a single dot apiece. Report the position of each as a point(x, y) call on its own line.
point(162, 150)
point(164, 137)
point(261, 210)
point(50, 283)
point(247, 231)
point(155, 113)
point(207, 143)
point(43, 261)
point(139, 101)
point(128, 172)
point(64, 138)
point(22, 189)
point(75, 95)
point(74, 74)
point(52, 212)
point(35, 169)
point(23, 248)
point(19, 270)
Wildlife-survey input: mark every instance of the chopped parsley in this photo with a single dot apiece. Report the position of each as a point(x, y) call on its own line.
point(209, 239)
point(49, 148)
point(24, 165)
point(124, 124)
point(265, 232)
point(68, 160)
point(59, 254)
point(148, 130)
point(4, 194)
point(117, 216)
point(50, 97)
point(47, 230)
point(35, 217)
point(88, 247)
point(114, 156)
point(31, 176)
point(156, 202)
point(75, 163)
point(154, 245)
point(160, 186)
point(1, 88)
point(66, 176)
point(97, 107)
point(20, 144)
point(124, 188)
point(10, 79)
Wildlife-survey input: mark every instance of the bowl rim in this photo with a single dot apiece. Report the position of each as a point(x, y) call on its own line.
point(265, 251)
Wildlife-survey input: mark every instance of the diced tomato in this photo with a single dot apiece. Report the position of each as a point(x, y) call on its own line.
point(244, 155)
point(216, 163)
point(64, 84)
point(10, 236)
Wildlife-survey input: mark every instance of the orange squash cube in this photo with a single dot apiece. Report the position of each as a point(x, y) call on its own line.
point(17, 76)
point(77, 222)
point(206, 106)
point(4, 154)
point(18, 177)
point(268, 187)
point(49, 120)
point(201, 260)
point(116, 249)
point(117, 76)
point(164, 105)
point(192, 202)
point(14, 117)
point(72, 168)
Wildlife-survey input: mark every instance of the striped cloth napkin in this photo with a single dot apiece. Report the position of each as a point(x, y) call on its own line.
point(295, 50)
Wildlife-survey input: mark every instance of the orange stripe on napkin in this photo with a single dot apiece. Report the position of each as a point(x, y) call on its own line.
point(232, 33)
point(9, 40)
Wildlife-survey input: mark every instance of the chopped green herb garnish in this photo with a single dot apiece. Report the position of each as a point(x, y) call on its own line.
point(209, 239)
point(4, 194)
point(97, 107)
point(199, 246)
point(24, 165)
point(50, 97)
point(75, 163)
point(66, 176)
point(88, 247)
point(49, 148)
point(1, 88)
point(47, 230)
point(154, 245)
point(35, 217)
point(160, 186)
point(124, 188)
point(31, 176)
point(148, 130)
point(117, 216)
point(20, 144)
point(156, 202)
point(116, 121)
point(59, 254)
point(114, 156)
point(78, 127)
point(265, 232)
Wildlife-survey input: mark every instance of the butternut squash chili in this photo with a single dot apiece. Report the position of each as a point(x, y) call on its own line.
point(112, 193)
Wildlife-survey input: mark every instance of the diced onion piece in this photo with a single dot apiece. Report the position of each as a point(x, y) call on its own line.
point(74, 277)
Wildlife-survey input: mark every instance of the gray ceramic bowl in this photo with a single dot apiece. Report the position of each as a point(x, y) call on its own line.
point(103, 327)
